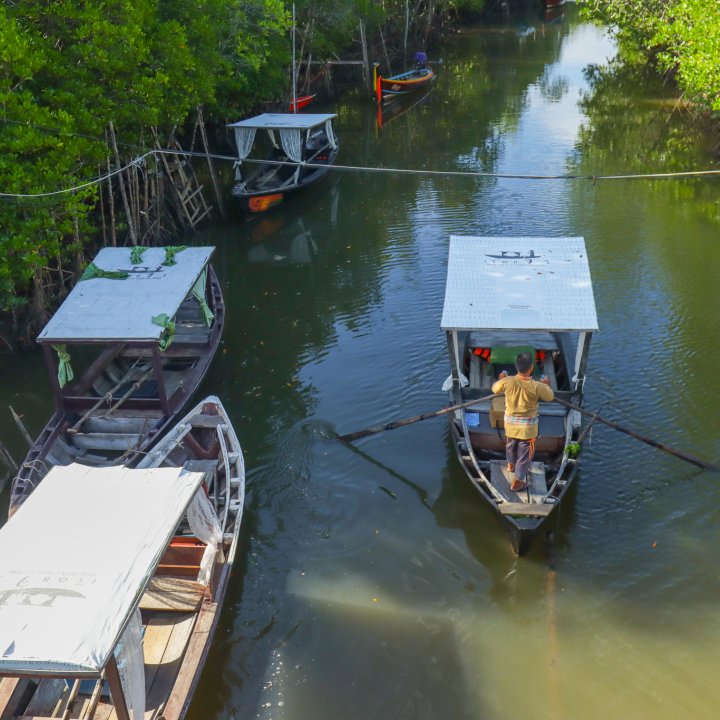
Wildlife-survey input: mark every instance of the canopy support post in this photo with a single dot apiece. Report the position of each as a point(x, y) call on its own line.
point(54, 382)
point(116, 691)
point(162, 393)
point(581, 359)
point(452, 341)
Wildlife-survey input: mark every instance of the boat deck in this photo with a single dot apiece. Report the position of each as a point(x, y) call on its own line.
point(165, 641)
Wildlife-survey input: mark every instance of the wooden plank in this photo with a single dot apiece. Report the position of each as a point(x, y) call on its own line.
point(13, 692)
point(47, 697)
point(206, 421)
point(171, 661)
point(192, 663)
point(115, 424)
point(501, 479)
point(537, 484)
point(106, 441)
point(172, 594)
point(526, 509)
point(157, 635)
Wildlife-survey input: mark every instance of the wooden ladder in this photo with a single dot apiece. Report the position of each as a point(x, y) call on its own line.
point(188, 191)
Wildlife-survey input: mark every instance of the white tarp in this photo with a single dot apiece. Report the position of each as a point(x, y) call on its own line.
point(75, 559)
point(108, 309)
point(524, 283)
point(276, 121)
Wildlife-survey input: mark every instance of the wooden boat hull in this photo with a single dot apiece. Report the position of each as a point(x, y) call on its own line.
point(196, 438)
point(521, 530)
point(255, 201)
point(301, 102)
point(405, 83)
point(181, 603)
point(141, 418)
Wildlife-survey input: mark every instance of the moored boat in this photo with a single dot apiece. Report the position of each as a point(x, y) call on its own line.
point(507, 295)
point(303, 148)
point(125, 352)
point(112, 584)
point(404, 83)
point(301, 101)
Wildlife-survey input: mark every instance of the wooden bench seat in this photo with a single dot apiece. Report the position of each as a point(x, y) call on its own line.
point(173, 594)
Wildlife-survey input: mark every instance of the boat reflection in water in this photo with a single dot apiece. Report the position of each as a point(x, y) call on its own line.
point(294, 245)
point(399, 107)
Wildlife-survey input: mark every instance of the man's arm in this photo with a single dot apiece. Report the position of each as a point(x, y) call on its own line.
point(499, 385)
point(545, 391)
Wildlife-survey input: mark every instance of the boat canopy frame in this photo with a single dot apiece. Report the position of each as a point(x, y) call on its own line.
point(295, 131)
point(519, 283)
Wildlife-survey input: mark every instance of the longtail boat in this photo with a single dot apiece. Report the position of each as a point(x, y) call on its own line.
point(125, 352)
point(507, 295)
point(303, 148)
point(407, 82)
point(113, 579)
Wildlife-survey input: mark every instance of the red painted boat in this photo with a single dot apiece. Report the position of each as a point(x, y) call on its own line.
point(300, 102)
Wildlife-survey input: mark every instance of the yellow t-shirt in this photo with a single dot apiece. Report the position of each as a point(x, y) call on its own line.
point(522, 396)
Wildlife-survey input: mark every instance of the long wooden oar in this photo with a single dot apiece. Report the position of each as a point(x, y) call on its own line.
point(409, 421)
point(649, 441)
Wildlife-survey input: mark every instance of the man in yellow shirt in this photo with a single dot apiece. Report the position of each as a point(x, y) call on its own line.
point(522, 395)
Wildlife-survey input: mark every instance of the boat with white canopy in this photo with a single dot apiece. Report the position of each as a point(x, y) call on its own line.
point(507, 295)
point(110, 590)
point(302, 147)
point(125, 352)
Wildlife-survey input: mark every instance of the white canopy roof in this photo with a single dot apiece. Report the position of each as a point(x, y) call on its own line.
point(284, 121)
point(75, 559)
point(107, 309)
point(521, 283)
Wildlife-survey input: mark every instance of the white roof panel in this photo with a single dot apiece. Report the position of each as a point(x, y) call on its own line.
point(521, 283)
point(284, 121)
point(106, 309)
point(76, 558)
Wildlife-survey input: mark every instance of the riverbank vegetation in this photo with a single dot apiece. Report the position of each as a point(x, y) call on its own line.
point(88, 88)
point(682, 37)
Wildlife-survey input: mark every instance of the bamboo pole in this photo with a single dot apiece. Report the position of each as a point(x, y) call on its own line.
point(643, 438)
point(349, 437)
point(131, 229)
point(213, 177)
point(21, 427)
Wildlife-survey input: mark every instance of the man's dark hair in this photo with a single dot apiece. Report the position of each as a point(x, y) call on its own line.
point(523, 362)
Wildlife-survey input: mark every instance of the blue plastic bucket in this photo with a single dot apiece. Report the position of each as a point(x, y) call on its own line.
point(472, 419)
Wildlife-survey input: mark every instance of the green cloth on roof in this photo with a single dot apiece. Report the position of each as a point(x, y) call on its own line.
point(164, 321)
point(198, 292)
point(65, 372)
point(136, 254)
point(507, 355)
point(92, 271)
point(171, 251)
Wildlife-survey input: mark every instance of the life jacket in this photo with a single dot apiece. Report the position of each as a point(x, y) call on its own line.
point(483, 353)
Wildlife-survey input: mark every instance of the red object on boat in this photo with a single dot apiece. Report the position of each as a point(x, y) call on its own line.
point(301, 102)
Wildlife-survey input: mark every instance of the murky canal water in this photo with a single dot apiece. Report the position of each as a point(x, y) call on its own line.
point(372, 582)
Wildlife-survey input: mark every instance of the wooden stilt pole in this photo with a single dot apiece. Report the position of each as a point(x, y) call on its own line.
point(211, 168)
point(131, 229)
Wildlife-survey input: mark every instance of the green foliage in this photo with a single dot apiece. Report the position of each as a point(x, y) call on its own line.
point(682, 36)
point(67, 69)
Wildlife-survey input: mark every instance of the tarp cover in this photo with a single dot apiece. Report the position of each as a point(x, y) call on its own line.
point(75, 559)
point(108, 309)
point(275, 121)
point(527, 283)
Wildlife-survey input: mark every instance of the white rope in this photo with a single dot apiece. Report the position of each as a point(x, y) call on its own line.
point(363, 169)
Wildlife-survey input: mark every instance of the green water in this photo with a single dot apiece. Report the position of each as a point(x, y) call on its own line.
point(372, 581)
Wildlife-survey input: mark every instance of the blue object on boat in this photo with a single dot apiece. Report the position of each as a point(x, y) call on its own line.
point(472, 418)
